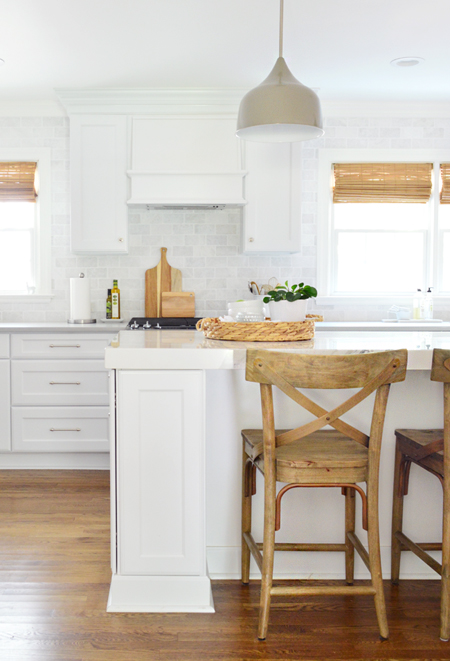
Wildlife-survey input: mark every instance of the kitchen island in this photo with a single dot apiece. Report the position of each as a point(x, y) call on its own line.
point(180, 403)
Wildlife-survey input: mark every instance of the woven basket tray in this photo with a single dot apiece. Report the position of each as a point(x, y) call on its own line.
point(265, 331)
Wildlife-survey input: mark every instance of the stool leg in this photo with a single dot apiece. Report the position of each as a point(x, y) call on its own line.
point(246, 522)
point(445, 578)
point(375, 559)
point(268, 552)
point(350, 501)
point(445, 582)
point(397, 515)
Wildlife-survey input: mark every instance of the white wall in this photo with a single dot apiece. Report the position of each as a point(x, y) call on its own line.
point(204, 245)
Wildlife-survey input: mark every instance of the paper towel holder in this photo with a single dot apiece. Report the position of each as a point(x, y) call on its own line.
point(82, 321)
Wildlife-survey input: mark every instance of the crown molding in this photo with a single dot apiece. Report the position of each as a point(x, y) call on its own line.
point(203, 101)
point(385, 109)
point(151, 101)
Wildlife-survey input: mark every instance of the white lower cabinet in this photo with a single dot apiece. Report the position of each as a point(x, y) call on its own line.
point(159, 488)
point(60, 429)
point(62, 382)
point(59, 392)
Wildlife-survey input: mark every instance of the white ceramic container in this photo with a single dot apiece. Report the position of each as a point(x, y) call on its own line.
point(288, 311)
point(253, 307)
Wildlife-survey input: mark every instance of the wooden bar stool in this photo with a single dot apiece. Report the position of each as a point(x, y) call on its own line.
point(310, 456)
point(429, 449)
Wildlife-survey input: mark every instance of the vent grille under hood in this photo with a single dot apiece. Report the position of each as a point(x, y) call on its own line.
point(185, 207)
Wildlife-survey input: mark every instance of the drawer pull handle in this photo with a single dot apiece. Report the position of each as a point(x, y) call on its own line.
point(65, 383)
point(64, 346)
point(52, 429)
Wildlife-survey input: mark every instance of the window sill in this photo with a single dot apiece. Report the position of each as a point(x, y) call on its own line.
point(391, 299)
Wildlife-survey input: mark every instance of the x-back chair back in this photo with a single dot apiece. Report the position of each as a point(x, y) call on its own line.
point(311, 456)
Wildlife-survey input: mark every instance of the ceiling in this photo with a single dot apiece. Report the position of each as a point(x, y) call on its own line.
point(341, 48)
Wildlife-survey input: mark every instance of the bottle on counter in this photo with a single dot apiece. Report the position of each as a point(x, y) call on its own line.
point(417, 307)
point(109, 305)
point(115, 301)
point(428, 305)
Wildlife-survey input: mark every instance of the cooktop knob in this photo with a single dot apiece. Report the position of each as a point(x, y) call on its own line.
point(147, 325)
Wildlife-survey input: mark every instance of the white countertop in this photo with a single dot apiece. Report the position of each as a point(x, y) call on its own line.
point(139, 350)
point(61, 327)
point(392, 325)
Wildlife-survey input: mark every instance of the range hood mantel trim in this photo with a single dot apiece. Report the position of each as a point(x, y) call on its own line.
point(187, 188)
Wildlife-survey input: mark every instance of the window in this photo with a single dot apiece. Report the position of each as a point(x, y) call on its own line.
point(24, 222)
point(383, 230)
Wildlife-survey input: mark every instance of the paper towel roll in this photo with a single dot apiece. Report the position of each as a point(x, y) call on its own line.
point(80, 299)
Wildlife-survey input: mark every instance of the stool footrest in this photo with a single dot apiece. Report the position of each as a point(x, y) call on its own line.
point(323, 546)
point(322, 589)
point(360, 548)
point(419, 551)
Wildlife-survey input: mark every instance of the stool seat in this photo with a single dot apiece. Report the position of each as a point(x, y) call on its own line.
point(325, 456)
point(413, 442)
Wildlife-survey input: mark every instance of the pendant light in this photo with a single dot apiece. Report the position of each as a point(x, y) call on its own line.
point(280, 109)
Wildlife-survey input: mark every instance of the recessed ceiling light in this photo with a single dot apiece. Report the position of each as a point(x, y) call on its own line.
point(407, 61)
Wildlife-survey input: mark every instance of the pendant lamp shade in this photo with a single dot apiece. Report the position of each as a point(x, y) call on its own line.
point(280, 109)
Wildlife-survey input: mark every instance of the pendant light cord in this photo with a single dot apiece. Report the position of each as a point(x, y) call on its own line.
point(281, 28)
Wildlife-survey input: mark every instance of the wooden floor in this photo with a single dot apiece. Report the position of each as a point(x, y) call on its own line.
point(54, 564)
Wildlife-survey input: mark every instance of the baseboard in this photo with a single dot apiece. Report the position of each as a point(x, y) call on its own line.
point(59, 460)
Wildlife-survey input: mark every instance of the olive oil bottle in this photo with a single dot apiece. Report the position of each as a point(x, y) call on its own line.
point(115, 299)
point(109, 305)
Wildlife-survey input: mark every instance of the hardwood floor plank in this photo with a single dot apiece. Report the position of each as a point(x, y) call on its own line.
point(54, 584)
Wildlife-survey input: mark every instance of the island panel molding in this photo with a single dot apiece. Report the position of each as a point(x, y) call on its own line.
point(160, 492)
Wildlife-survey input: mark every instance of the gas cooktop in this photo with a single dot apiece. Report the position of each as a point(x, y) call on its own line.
point(163, 323)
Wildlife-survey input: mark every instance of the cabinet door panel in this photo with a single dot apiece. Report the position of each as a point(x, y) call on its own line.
point(60, 383)
point(5, 406)
point(160, 467)
point(4, 345)
point(272, 215)
point(99, 184)
point(60, 429)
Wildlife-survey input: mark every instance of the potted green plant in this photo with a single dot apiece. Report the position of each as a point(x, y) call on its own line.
point(289, 303)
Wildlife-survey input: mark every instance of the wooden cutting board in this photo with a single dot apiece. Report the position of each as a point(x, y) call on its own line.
point(177, 304)
point(161, 278)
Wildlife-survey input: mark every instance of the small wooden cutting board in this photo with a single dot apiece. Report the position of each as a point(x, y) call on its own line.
point(177, 304)
point(161, 278)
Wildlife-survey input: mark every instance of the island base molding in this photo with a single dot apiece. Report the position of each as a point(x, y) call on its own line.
point(160, 594)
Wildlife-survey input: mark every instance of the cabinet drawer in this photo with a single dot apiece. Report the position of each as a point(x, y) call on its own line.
point(4, 346)
point(60, 383)
point(61, 345)
point(60, 429)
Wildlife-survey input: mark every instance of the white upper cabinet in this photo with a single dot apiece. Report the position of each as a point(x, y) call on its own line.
point(272, 214)
point(185, 160)
point(98, 161)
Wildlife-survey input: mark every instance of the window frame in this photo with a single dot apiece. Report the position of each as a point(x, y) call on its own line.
point(42, 243)
point(324, 248)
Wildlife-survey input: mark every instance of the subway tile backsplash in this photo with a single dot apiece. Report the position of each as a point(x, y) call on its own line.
point(204, 245)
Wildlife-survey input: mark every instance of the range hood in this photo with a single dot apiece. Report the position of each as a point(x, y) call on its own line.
point(187, 162)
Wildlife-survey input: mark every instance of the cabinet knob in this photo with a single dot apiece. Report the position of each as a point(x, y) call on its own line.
point(251, 239)
point(121, 240)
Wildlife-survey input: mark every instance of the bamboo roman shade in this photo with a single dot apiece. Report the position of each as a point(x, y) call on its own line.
point(17, 182)
point(445, 190)
point(382, 182)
